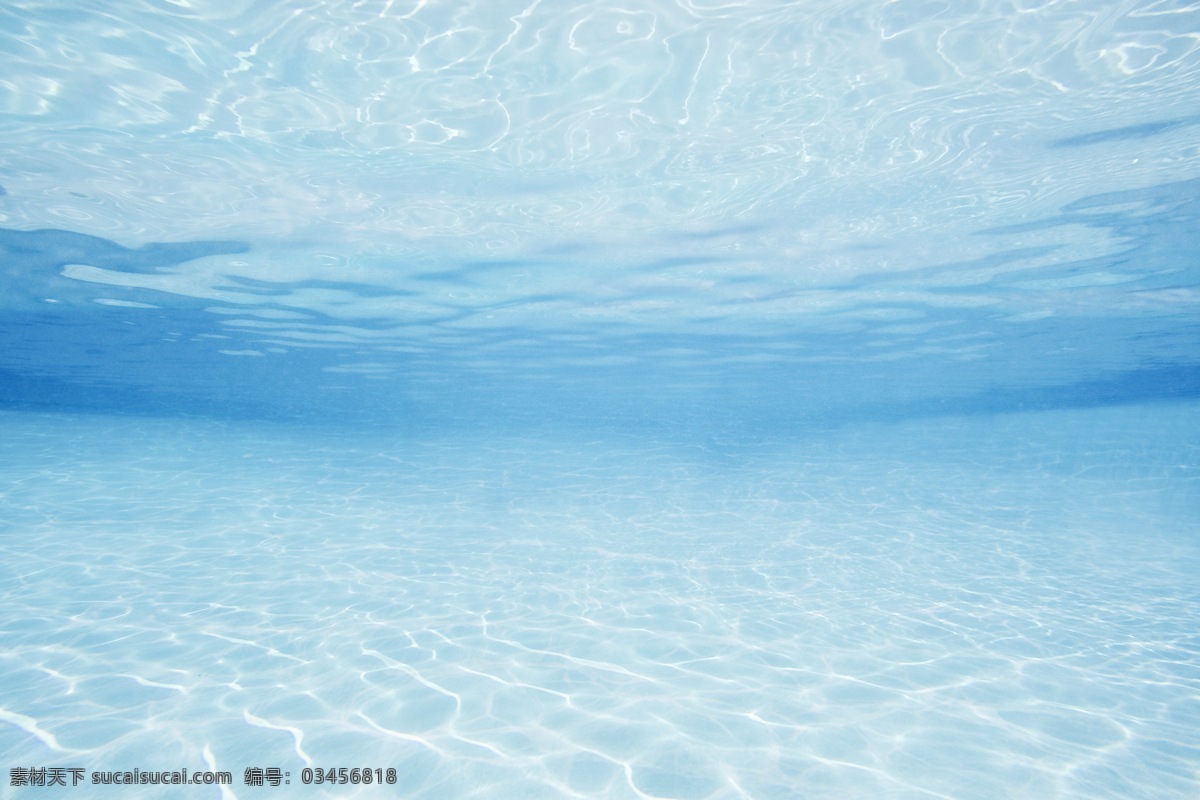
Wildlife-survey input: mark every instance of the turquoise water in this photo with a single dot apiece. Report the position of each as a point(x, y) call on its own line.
point(672, 400)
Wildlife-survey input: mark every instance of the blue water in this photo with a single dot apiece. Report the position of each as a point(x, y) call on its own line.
point(666, 400)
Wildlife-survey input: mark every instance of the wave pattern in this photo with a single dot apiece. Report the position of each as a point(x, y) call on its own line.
point(1013, 606)
point(491, 180)
point(499, 122)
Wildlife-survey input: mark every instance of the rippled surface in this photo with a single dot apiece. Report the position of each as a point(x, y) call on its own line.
point(679, 399)
point(503, 121)
point(436, 201)
point(1008, 609)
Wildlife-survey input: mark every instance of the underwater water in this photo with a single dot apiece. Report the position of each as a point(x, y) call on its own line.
point(667, 400)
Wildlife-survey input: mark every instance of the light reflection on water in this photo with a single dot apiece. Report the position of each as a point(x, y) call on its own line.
point(685, 399)
point(951, 609)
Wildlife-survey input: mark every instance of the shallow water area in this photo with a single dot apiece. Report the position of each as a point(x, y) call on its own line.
point(514, 399)
point(1009, 605)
